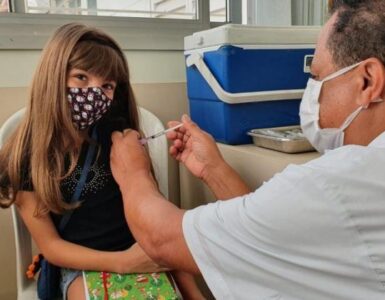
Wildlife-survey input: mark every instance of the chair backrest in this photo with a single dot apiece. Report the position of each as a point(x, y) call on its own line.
point(158, 148)
point(22, 236)
point(10, 125)
point(149, 124)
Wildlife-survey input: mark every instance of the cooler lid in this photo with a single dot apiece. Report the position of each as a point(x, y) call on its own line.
point(252, 35)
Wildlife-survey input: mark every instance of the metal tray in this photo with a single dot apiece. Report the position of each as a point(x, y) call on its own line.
point(287, 139)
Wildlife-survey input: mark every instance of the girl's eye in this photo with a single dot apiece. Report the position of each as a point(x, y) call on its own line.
point(108, 86)
point(81, 77)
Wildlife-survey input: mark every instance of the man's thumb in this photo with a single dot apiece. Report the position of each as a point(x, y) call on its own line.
point(186, 119)
point(188, 124)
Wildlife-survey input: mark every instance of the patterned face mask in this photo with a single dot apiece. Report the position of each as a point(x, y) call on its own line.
point(87, 105)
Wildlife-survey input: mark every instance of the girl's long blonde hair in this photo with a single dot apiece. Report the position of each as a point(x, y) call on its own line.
point(37, 150)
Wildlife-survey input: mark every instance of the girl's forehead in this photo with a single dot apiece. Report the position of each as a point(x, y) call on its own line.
point(99, 60)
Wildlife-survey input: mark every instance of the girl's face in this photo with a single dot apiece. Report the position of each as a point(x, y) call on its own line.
point(81, 79)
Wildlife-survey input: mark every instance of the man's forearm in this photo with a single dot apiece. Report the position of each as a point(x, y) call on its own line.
point(225, 182)
point(156, 223)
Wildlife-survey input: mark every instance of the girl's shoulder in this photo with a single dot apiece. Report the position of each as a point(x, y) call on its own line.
point(107, 127)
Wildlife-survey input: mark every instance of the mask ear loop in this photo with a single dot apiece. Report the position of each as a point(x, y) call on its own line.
point(340, 72)
point(350, 119)
point(379, 100)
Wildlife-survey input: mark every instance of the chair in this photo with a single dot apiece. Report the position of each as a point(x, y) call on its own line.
point(158, 148)
point(149, 123)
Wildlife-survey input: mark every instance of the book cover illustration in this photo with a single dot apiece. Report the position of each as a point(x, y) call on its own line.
point(113, 286)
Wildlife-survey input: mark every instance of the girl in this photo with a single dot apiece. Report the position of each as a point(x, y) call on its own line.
point(81, 86)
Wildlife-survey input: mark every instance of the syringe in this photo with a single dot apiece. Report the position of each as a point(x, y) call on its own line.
point(145, 139)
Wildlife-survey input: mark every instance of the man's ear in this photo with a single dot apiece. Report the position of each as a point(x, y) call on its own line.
point(372, 81)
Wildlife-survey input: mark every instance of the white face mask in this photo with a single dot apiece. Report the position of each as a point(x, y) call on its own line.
point(325, 138)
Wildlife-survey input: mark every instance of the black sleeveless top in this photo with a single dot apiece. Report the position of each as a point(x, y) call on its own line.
point(99, 223)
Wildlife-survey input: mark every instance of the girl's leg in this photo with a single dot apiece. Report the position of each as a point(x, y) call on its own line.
point(76, 289)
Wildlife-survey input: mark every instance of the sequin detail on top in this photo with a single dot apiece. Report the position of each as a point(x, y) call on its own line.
point(87, 105)
point(98, 178)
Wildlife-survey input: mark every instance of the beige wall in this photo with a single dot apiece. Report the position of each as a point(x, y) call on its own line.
point(17, 67)
point(159, 85)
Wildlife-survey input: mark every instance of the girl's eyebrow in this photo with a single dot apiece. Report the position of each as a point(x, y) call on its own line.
point(78, 71)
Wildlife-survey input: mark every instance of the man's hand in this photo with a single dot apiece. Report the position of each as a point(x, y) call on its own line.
point(198, 151)
point(195, 148)
point(128, 157)
point(135, 260)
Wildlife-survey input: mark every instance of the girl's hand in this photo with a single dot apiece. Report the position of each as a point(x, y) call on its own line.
point(187, 286)
point(135, 260)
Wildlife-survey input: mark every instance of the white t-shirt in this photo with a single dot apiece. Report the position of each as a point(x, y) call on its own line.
point(314, 231)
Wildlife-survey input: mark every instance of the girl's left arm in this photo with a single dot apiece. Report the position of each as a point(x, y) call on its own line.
point(69, 255)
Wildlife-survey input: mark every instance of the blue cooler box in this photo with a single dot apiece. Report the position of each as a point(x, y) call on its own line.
point(245, 77)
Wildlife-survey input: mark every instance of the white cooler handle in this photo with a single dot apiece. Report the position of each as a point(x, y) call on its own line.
point(234, 98)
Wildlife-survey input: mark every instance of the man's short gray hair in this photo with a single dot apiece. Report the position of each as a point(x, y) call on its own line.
point(359, 31)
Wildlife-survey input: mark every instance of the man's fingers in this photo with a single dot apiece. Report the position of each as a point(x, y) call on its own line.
point(126, 131)
point(131, 132)
point(172, 135)
point(173, 151)
point(172, 123)
point(177, 133)
point(185, 138)
point(116, 135)
point(127, 134)
point(176, 149)
point(175, 123)
point(178, 143)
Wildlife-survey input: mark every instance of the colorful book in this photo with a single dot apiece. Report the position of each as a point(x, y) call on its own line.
point(113, 286)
